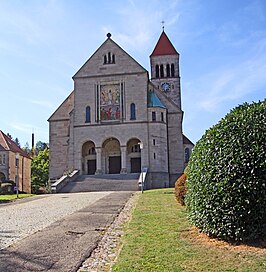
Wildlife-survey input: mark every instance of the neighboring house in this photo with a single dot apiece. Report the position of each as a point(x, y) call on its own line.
point(113, 108)
point(14, 162)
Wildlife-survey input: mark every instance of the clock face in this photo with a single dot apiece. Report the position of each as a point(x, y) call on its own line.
point(166, 86)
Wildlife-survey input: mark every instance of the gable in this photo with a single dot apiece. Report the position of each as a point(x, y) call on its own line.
point(62, 112)
point(108, 59)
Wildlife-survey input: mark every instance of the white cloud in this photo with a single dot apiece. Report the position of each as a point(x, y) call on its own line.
point(22, 127)
point(232, 83)
point(43, 103)
point(138, 20)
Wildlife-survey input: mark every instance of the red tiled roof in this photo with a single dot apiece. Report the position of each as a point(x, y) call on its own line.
point(8, 144)
point(164, 47)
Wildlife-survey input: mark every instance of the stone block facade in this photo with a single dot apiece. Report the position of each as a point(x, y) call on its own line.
point(114, 107)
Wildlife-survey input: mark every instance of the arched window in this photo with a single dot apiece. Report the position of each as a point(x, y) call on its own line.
point(157, 71)
point(167, 70)
point(172, 70)
point(104, 59)
point(109, 57)
point(161, 70)
point(88, 114)
point(113, 58)
point(132, 111)
point(187, 154)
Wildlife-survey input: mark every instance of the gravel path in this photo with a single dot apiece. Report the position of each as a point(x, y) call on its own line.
point(105, 254)
point(23, 218)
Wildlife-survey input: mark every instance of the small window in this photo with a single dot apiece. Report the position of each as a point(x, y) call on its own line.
point(88, 114)
point(167, 70)
point(161, 70)
point(187, 154)
point(132, 111)
point(153, 116)
point(113, 58)
point(154, 155)
point(157, 71)
point(135, 148)
point(17, 162)
point(162, 117)
point(1, 162)
point(172, 70)
point(109, 57)
point(153, 141)
point(92, 151)
point(4, 159)
point(104, 59)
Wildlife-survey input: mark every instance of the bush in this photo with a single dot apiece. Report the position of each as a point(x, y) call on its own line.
point(180, 189)
point(226, 191)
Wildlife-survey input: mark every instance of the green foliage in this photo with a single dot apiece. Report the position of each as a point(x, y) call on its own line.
point(40, 146)
point(180, 189)
point(226, 191)
point(40, 170)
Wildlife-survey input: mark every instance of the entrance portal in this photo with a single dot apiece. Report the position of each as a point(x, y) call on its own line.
point(88, 159)
point(114, 165)
point(135, 165)
point(91, 166)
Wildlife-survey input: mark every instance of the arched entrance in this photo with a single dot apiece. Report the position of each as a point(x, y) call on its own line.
point(133, 150)
point(2, 177)
point(112, 154)
point(88, 158)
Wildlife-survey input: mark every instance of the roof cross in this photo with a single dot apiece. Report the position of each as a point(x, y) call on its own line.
point(163, 22)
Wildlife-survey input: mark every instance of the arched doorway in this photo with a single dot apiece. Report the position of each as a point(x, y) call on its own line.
point(133, 150)
point(2, 177)
point(88, 158)
point(112, 153)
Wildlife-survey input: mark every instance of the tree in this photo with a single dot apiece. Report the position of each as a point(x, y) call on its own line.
point(26, 148)
point(9, 136)
point(40, 169)
point(40, 146)
point(226, 192)
point(17, 141)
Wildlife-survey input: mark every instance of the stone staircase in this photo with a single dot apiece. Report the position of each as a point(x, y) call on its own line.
point(100, 183)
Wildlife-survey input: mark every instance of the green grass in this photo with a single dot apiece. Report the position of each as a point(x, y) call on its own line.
point(158, 239)
point(13, 197)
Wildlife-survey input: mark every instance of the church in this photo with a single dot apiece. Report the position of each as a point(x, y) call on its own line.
point(120, 120)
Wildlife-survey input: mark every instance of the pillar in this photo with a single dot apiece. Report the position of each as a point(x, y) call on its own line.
point(98, 160)
point(123, 160)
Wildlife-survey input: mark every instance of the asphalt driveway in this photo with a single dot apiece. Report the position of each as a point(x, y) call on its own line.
point(56, 232)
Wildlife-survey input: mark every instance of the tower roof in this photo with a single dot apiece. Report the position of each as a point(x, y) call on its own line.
point(164, 47)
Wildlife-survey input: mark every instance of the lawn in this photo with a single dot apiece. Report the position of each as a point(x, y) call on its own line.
point(160, 238)
point(4, 198)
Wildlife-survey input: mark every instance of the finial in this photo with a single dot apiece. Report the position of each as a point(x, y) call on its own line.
point(108, 35)
point(163, 22)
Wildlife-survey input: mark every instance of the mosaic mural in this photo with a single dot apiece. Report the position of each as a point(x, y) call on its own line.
point(110, 102)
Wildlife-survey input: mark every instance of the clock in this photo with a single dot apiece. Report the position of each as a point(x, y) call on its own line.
point(166, 86)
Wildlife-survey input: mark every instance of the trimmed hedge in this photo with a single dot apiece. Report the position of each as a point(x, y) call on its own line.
point(180, 189)
point(226, 191)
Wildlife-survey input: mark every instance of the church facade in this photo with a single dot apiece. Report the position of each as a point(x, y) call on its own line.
point(117, 120)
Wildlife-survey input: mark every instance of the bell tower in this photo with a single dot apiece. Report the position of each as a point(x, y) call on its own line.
point(165, 69)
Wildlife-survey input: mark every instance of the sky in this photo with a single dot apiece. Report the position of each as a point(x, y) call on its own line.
point(43, 43)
